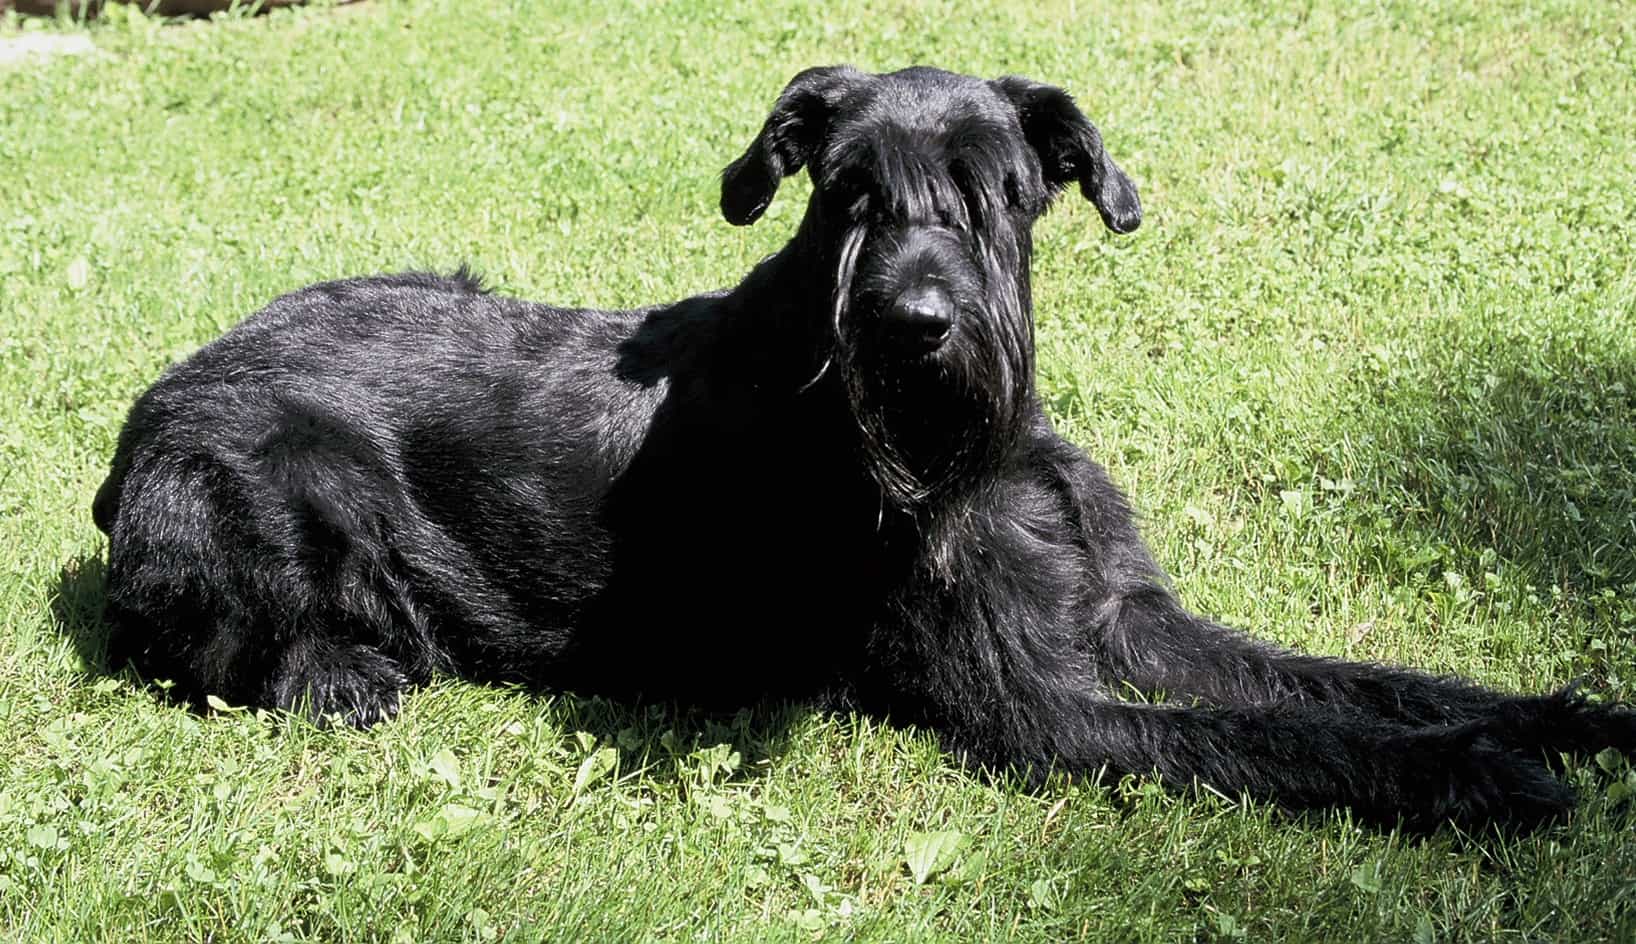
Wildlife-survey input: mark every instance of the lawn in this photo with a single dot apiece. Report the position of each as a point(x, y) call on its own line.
point(1368, 370)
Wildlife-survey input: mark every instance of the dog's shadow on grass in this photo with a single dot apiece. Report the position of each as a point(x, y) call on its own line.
point(691, 737)
point(76, 610)
point(675, 742)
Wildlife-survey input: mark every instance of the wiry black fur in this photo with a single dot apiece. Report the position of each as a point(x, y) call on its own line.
point(832, 479)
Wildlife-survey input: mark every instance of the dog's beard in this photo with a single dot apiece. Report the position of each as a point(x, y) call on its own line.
point(930, 424)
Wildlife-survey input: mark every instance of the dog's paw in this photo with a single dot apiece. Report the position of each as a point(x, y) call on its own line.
point(356, 685)
point(1563, 722)
point(1465, 776)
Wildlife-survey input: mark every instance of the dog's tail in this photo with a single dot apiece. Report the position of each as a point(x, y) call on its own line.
point(105, 507)
point(467, 280)
point(462, 281)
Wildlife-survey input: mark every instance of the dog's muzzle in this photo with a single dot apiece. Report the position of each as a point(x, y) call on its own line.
point(921, 317)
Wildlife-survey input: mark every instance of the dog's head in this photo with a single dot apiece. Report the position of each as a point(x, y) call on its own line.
point(926, 186)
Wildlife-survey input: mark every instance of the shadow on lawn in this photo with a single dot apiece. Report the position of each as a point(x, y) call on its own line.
point(76, 610)
point(1497, 452)
point(757, 733)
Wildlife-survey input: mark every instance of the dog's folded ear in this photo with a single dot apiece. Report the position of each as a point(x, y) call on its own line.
point(787, 141)
point(1070, 149)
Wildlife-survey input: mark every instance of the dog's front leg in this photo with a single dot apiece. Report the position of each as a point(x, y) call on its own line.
point(1006, 688)
point(1146, 640)
point(1149, 641)
point(1142, 638)
point(1303, 758)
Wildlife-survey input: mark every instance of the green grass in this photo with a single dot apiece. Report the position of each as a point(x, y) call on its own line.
point(1369, 369)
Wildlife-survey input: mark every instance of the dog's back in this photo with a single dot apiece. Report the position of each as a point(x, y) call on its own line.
point(261, 348)
point(288, 480)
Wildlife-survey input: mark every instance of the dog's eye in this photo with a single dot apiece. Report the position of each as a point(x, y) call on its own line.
point(1013, 192)
point(970, 210)
point(847, 191)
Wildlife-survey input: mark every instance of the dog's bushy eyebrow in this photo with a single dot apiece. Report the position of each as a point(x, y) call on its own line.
point(917, 186)
point(992, 169)
point(963, 176)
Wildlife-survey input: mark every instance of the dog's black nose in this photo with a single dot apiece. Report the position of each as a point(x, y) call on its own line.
point(922, 316)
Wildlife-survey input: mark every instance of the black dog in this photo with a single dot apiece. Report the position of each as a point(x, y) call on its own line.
point(834, 480)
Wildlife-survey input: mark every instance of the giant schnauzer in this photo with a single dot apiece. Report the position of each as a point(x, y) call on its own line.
point(834, 480)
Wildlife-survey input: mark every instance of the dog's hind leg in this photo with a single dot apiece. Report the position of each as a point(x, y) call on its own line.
point(262, 578)
point(1149, 641)
point(349, 630)
point(204, 651)
point(318, 677)
point(174, 607)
